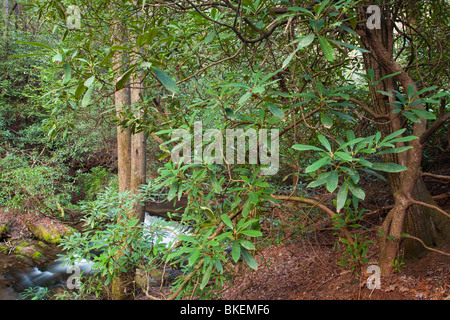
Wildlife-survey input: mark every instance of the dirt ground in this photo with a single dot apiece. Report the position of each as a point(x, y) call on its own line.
point(305, 271)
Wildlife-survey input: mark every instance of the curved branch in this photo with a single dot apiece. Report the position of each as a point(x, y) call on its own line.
point(437, 124)
point(311, 202)
point(436, 176)
point(364, 107)
point(436, 208)
point(238, 34)
point(425, 246)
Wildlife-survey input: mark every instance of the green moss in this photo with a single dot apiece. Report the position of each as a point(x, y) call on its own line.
point(50, 234)
point(4, 230)
point(37, 255)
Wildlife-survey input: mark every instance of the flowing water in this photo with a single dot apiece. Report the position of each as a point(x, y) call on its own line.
point(17, 275)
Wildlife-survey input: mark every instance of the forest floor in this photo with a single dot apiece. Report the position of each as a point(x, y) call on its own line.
point(302, 270)
point(307, 269)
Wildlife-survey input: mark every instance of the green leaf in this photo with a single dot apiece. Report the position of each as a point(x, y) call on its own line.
point(119, 47)
point(57, 58)
point(244, 98)
point(302, 10)
point(247, 244)
point(411, 116)
point(393, 135)
point(344, 156)
point(36, 44)
point(426, 90)
point(394, 150)
point(275, 111)
point(227, 221)
point(357, 191)
point(251, 233)
point(322, 179)
point(326, 120)
point(324, 142)
point(388, 167)
point(288, 59)
point(194, 256)
point(123, 80)
point(326, 49)
point(89, 82)
point(424, 114)
point(166, 80)
point(79, 91)
point(304, 147)
point(236, 251)
point(229, 113)
point(305, 41)
point(316, 165)
point(352, 47)
point(341, 197)
point(185, 237)
point(389, 76)
point(253, 197)
point(410, 91)
point(67, 73)
point(206, 277)
point(248, 258)
point(332, 181)
point(87, 97)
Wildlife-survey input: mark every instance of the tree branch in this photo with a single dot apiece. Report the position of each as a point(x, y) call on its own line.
point(425, 246)
point(437, 124)
point(436, 208)
point(436, 176)
point(364, 107)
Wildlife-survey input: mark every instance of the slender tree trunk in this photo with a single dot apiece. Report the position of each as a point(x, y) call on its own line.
point(132, 169)
point(5, 32)
point(122, 98)
point(138, 153)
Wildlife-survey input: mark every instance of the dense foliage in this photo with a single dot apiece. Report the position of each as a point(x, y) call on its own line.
point(299, 68)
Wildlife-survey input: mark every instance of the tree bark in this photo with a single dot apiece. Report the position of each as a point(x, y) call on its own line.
point(404, 217)
point(5, 33)
point(123, 280)
point(138, 153)
point(132, 170)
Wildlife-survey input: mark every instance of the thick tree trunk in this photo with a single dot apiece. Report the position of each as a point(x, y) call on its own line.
point(404, 217)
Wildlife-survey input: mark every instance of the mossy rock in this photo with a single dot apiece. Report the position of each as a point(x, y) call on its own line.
point(26, 249)
point(4, 230)
point(49, 233)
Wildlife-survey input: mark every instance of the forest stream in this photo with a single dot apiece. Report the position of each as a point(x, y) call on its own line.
point(45, 268)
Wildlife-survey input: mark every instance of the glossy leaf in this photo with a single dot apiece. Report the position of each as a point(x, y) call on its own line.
point(166, 80)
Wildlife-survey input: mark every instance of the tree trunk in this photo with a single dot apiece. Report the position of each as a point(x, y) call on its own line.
point(132, 169)
point(138, 152)
point(404, 217)
point(5, 33)
point(122, 98)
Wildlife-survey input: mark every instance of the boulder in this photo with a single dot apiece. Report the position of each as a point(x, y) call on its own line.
point(49, 230)
point(4, 231)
